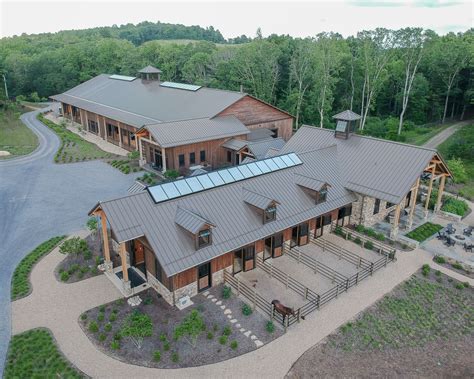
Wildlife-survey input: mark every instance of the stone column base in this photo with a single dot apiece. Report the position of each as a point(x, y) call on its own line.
point(394, 232)
point(425, 213)
point(108, 266)
point(127, 287)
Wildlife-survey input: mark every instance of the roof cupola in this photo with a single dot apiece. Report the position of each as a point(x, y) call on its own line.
point(150, 73)
point(346, 124)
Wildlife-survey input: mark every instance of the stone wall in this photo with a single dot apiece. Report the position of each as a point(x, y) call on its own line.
point(189, 290)
point(160, 288)
point(363, 210)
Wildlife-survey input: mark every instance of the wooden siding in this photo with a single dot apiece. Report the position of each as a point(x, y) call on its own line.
point(222, 262)
point(256, 114)
point(184, 278)
point(259, 246)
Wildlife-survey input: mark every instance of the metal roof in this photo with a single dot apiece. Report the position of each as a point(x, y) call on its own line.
point(260, 133)
point(256, 199)
point(347, 116)
point(150, 70)
point(178, 133)
point(190, 221)
point(378, 168)
point(309, 182)
point(261, 147)
point(141, 102)
point(235, 144)
point(235, 222)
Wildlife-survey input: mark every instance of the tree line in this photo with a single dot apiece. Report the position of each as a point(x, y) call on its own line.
point(394, 78)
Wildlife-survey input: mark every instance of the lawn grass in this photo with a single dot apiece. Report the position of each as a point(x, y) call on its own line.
point(420, 135)
point(73, 148)
point(461, 145)
point(425, 308)
point(34, 354)
point(15, 137)
point(20, 282)
point(424, 231)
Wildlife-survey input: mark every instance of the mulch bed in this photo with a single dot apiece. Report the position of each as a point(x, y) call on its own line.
point(450, 261)
point(423, 328)
point(165, 318)
point(78, 267)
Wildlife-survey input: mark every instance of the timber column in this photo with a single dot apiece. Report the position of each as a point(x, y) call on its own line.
point(396, 219)
point(430, 188)
point(413, 204)
point(127, 287)
point(440, 193)
point(108, 265)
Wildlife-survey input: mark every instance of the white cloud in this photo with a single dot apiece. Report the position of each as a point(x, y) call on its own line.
point(232, 18)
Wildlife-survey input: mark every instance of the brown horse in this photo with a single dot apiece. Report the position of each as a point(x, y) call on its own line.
point(283, 310)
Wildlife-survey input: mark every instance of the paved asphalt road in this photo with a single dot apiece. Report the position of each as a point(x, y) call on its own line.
point(40, 199)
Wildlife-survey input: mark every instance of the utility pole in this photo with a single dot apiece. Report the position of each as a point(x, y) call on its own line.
point(5, 83)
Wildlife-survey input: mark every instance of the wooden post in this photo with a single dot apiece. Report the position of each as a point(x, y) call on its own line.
point(105, 237)
point(440, 193)
point(163, 159)
point(272, 313)
point(123, 258)
point(396, 219)
point(430, 188)
point(413, 204)
point(140, 149)
point(306, 293)
point(120, 134)
point(254, 298)
point(105, 129)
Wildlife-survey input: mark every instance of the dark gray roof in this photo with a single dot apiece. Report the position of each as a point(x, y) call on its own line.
point(378, 168)
point(177, 133)
point(190, 221)
point(139, 103)
point(347, 116)
point(256, 199)
point(309, 182)
point(236, 224)
point(260, 133)
point(261, 147)
point(150, 70)
point(235, 144)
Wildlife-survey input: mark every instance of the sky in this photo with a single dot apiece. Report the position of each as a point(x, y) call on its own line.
point(232, 18)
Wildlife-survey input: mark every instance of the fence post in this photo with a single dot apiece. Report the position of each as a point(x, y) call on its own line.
point(238, 287)
point(340, 253)
point(272, 312)
point(360, 262)
point(298, 319)
point(317, 300)
point(371, 268)
point(357, 278)
point(347, 284)
point(287, 280)
point(306, 293)
point(347, 234)
point(386, 259)
point(254, 298)
point(299, 256)
point(337, 290)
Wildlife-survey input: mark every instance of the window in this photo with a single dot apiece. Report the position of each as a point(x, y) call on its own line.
point(275, 132)
point(192, 158)
point(204, 238)
point(322, 195)
point(202, 155)
point(303, 229)
point(93, 127)
point(181, 160)
point(388, 205)
point(269, 214)
point(376, 206)
point(229, 156)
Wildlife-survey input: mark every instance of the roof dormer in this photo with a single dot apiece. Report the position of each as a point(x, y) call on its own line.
point(264, 205)
point(196, 225)
point(315, 188)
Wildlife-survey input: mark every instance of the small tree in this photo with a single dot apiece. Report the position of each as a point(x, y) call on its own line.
point(73, 245)
point(171, 174)
point(190, 328)
point(92, 225)
point(456, 165)
point(137, 326)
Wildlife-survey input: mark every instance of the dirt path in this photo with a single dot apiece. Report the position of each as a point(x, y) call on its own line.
point(439, 138)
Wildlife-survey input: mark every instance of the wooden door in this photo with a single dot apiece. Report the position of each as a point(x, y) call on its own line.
point(204, 276)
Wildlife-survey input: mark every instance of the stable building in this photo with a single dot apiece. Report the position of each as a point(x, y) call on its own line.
point(182, 237)
point(172, 125)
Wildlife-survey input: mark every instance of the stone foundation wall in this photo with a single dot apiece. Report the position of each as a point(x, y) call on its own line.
point(189, 290)
point(160, 288)
point(363, 210)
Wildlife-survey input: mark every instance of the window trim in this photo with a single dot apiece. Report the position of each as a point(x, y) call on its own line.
point(199, 236)
point(270, 210)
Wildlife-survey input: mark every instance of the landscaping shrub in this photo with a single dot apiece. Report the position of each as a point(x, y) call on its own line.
point(115, 345)
point(84, 316)
point(108, 327)
point(369, 245)
point(425, 269)
point(357, 241)
point(438, 273)
point(439, 259)
point(64, 276)
point(117, 336)
point(234, 344)
point(148, 301)
point(424, 231)
point(270, 327)
point(246, 310)
point(190, 328)
point(20, 283)
point(163, 337)
point(92, 224)
point(456, 206)
point(227, 330)
point(171, 174)
point(137, 326)
point(74, 245)
point(457, 266)
point(157, 356)
point(100, 316)
point(226, 292)
point(360, 228)
point(174, 357)
point(380, 237)
point(210, 335)
point(459, 286)
point(466, 284)
point(112, 317)
point(223, 340)
point(166, 346)
point(102, 337)
point(93, 327)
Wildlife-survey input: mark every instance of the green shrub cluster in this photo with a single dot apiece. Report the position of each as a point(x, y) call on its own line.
point(246, 310)
point(369, 232)
point(20, 283)
point(439, 259)
point(226, 292)
point(148, 178)
point(122, 165)
point(424, 231)
point(456, 206)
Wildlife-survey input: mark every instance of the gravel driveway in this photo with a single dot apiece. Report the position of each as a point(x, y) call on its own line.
point(39, 200)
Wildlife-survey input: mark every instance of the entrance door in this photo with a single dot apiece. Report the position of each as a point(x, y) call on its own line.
point(137, 252)
point(303, 231)
point(407, 200)
point(267, 253)
point(249, 258)
point(277, 245)
point(294, 236)
point(158, 159)
point(204, 276)
point(319, 227)
point(238, 264)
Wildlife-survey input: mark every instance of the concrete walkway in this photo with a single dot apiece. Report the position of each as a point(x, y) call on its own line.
point(439, 138)
point(58, 306)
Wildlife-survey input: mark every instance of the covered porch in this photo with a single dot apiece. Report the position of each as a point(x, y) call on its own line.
point(152, 155)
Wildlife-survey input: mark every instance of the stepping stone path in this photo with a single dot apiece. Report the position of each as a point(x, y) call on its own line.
point(134, 301)
point(228, 312)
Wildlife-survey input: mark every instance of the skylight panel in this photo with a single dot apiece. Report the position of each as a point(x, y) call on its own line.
point(245, 171)
point(226, 176)
point(194, 184)
point(182, 187)
point(187, 87)
point(263, 166)
point(294, 158)
point(279, 162)
point(205, 181)
point(234, 171)
point(170, 190)
point(287, 160)
point(157, 193)
point(254, 168)
point(216, 179)
point(272, 165)
point(122, 77)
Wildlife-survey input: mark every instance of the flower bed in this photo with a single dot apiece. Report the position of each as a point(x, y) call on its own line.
point(425, 231)
point(156, 334)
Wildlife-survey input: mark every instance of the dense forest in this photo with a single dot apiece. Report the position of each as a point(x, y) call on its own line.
point(394, 78)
